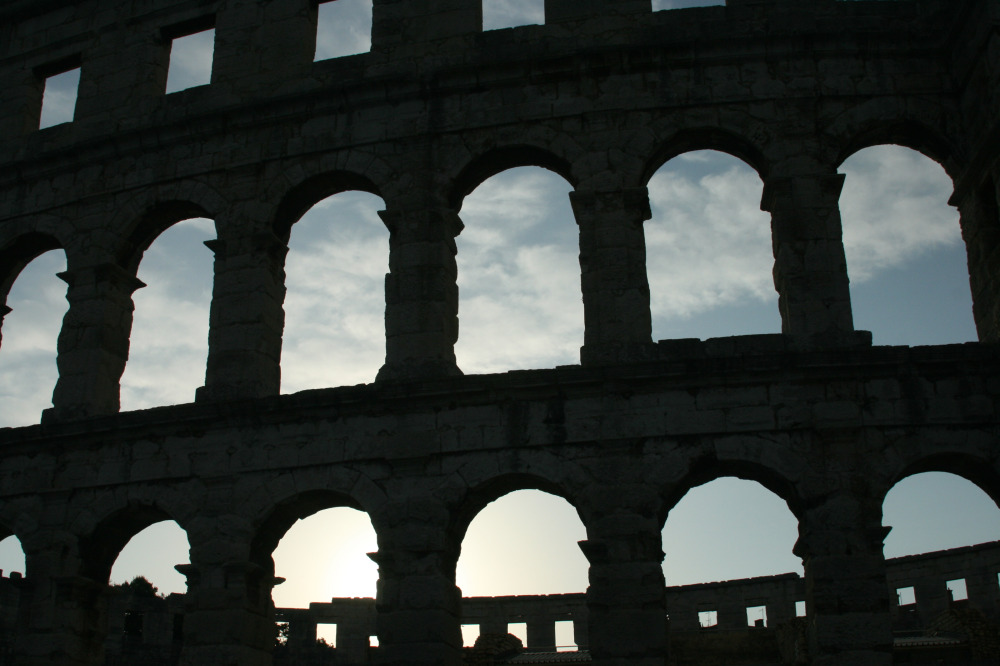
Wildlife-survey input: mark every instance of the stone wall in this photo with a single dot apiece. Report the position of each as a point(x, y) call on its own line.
point(603, 94)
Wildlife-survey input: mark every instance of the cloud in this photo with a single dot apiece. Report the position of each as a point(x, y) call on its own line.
point(28, 370)
point(520, 304)
point(893, 209)
point(512, 13)
point(59, 98)
point(708, 244)
point(344, 28)
point(335, 302)
point(169, 342)
point(191, 61)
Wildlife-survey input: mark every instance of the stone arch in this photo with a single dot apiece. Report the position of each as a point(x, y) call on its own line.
point(280, 516)
point(153, 221)
point(707, 138)
point(709, 467)
point(19, 252)
point(101, 546)
point(478, 496)
point(979, 471)
point(313, 189)
point(499, 159)
point(896, 121)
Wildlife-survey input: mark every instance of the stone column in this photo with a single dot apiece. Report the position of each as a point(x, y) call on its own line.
point(396, 24)
point(62, 614)
point(418, 604)
point(541, 634)
point(263, 46)
point(810, 269)
point(840, 543)
point(571, 10)
point(246, 320)
point(421, 293)
point(229, 616)
point(94, 342)
point(613, 275)
point(980, 220)
point(581, 633)
point(626, 605)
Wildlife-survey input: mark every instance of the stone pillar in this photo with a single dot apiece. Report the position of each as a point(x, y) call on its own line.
point(21, 107)
point(62, 615)
point(229, 616)
point(421, 293)
point(571, 10)
point(581, 632)
point(246, 321)
point(123, 78)
point(397, 24)
point(541, 634)
point(94, 341)
point(418, 604)
point(626, 605)
point(840, 543)
point(932, 596)
point(262, 46)
point(810, 269)
point(352, 640)
point(613, 275)
point(980, 220)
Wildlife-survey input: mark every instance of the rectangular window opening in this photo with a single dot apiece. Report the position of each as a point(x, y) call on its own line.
point(906, 596)
point(707, 619)
point(565, 639)
point(800, 609)
point(326, 634)
point(470, 632)
point(59, 96)
point(373, 641)
point(519, 629)
point(757, 616)
point(343, 28)
point(958, 590)
point(191, 56)
point(499, 14)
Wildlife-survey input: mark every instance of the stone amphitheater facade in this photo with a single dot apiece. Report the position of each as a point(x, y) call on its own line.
point(603, 94)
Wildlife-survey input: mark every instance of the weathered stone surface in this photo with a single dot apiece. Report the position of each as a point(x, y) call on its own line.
point(603, 94)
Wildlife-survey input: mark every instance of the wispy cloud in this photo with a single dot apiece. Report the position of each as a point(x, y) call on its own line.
point(30, 332)
point(335, 303)
point(520, 304)
point(894, 207)
point(344, 28)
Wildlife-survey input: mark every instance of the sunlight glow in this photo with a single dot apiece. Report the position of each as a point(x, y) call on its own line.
point(326, 556)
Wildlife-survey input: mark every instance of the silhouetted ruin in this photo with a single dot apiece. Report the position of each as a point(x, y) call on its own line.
point(604, 93)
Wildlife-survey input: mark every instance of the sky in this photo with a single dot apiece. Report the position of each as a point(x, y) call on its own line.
point(709, 267)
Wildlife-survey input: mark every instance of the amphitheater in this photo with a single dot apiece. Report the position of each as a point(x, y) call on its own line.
point(602, 94)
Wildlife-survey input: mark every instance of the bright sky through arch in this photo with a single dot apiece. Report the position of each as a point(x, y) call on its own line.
point(911, 256)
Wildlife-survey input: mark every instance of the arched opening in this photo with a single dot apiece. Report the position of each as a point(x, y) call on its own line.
point(12, 586)
point(708, 250)
point(519, 274)
point(169, 341)
point(28, 372)
point(943, 562)
point(729, 566)
point(326, 602)
point(499, 14)
point(335, 303)
point(905, 256)
point(141, 613)
point(524, 544)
